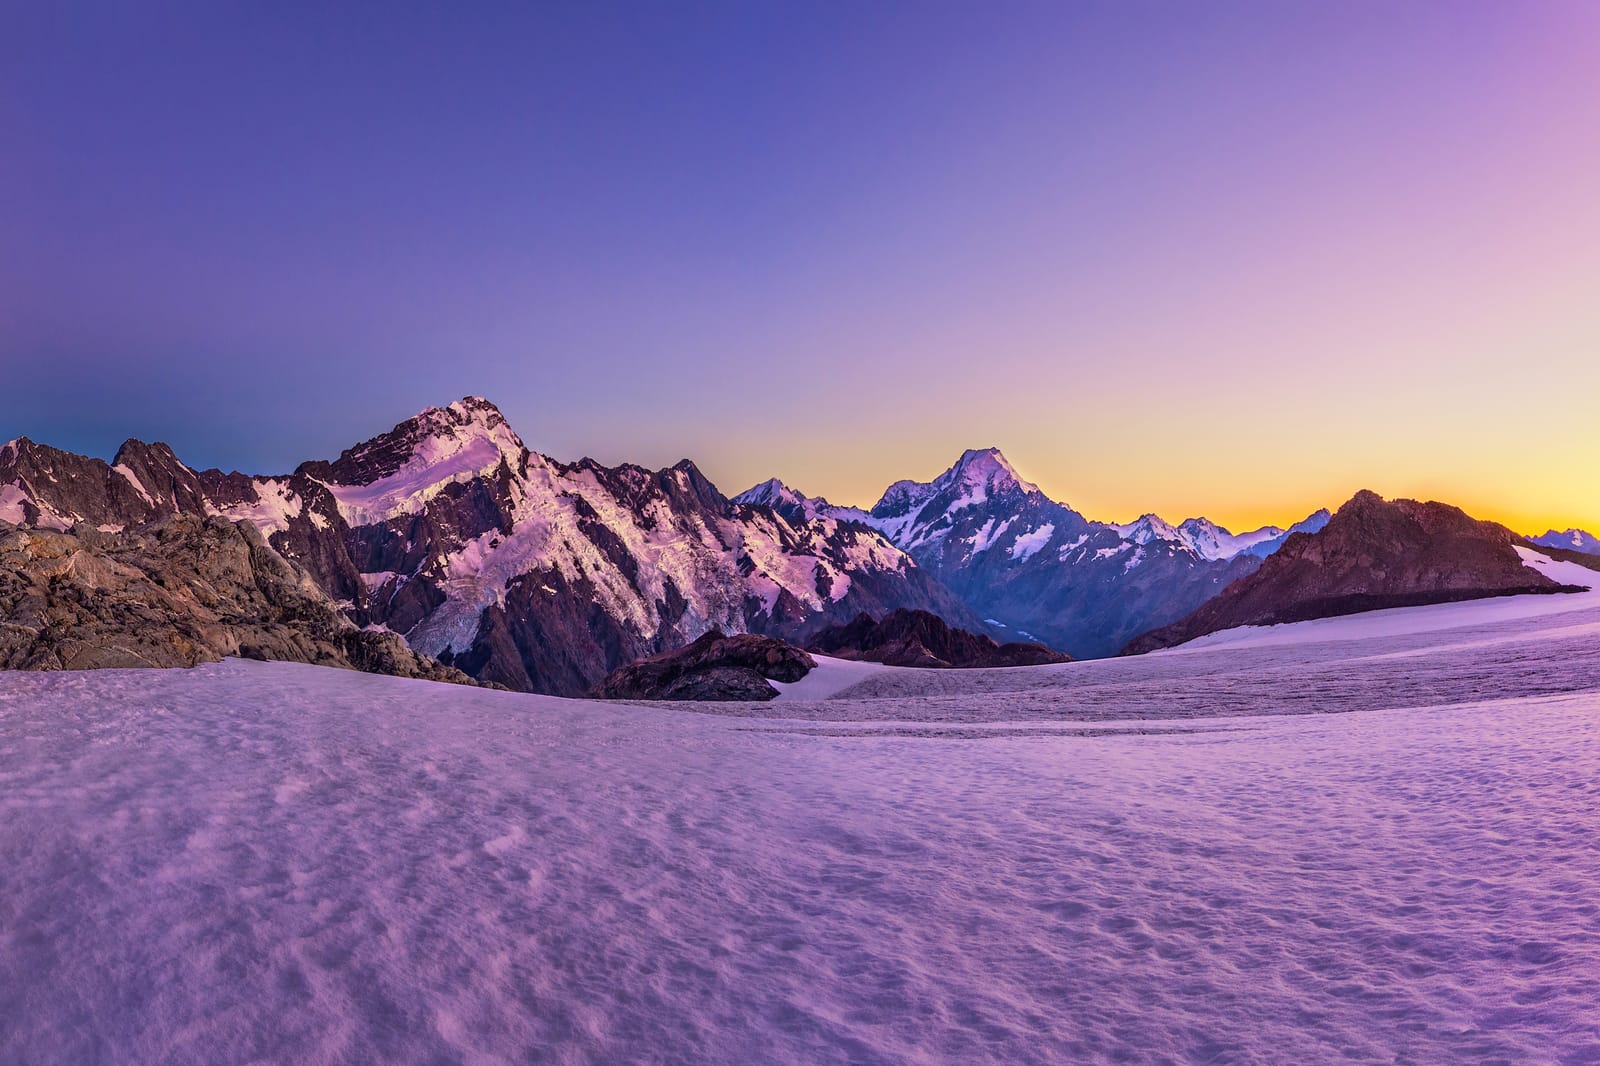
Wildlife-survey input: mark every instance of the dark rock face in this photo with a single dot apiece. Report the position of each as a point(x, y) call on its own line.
point(917, 638)
point(177, 592)
point(713, 667)
point(1372, 554)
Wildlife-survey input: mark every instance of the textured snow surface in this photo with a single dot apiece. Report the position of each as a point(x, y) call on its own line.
point(270, 862)
point(829, 677)
point(11, 500)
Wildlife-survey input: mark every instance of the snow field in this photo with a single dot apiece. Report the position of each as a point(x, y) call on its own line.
point(255, 862)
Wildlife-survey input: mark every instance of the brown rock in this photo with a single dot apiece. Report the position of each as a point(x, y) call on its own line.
point(714, 667)
point(918, 638)
point(1372, 554)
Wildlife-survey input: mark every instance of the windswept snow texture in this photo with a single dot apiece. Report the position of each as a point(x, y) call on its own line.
point(270, 862)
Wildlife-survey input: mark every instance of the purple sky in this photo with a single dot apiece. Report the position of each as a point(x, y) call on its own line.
point(1232, 258)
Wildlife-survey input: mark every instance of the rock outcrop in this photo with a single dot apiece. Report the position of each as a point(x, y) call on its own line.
point(917, 638)
point(1372, 554)
point(714, 667)
point(176, 592)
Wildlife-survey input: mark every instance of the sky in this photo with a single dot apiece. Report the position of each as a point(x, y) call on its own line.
point(1228, 259)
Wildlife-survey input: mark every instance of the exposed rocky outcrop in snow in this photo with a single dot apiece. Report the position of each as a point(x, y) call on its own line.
point(1372, 554)
point(714, 667)
point(917, 638)
point(178, 591)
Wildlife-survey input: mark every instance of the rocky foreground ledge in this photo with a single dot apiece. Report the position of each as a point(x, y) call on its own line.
point(175, 593)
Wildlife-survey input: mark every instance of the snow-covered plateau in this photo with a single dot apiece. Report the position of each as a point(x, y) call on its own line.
point(1359, 846)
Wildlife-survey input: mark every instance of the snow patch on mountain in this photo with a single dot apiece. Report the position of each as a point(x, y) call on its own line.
point(275, 504)
point(990, 533)
point(12, 497)
point(133, 480)
point(1029, 544)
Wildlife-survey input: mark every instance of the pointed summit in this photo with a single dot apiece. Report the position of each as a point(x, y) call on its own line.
point(1149, 527)
point(986, 468)
point(396, 472)
point(795, 506)
point(770, 493)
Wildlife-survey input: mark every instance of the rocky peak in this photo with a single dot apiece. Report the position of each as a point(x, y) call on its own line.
point(980, 475)
point(157, 474)
point(796, 507)
point(686, 475)
point(398, 472)
point(770, 493)
point(52, 489)
point(986, 469)
point(470, 431)
point(1149, 527)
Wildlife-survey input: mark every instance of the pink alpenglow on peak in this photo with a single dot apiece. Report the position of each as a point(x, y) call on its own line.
point(399, 471)
point(795, 505)
point(1200, 535)
point(986, 468)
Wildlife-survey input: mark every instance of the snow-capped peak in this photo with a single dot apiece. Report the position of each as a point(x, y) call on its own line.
point(397, 472)
point(1211, 541)
point(1149, 527)
point(770, 493)
point(1580, 540)
point(796, 506)
point(1200, 535)
point(986, 469)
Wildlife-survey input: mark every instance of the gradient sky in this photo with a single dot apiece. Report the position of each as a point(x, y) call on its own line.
point(1231, 259)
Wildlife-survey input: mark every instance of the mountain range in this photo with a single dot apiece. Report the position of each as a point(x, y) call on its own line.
point(1578, 540)
point(515, 567)
point(541, 575)
point(1374, 553)
point(1037, 570)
